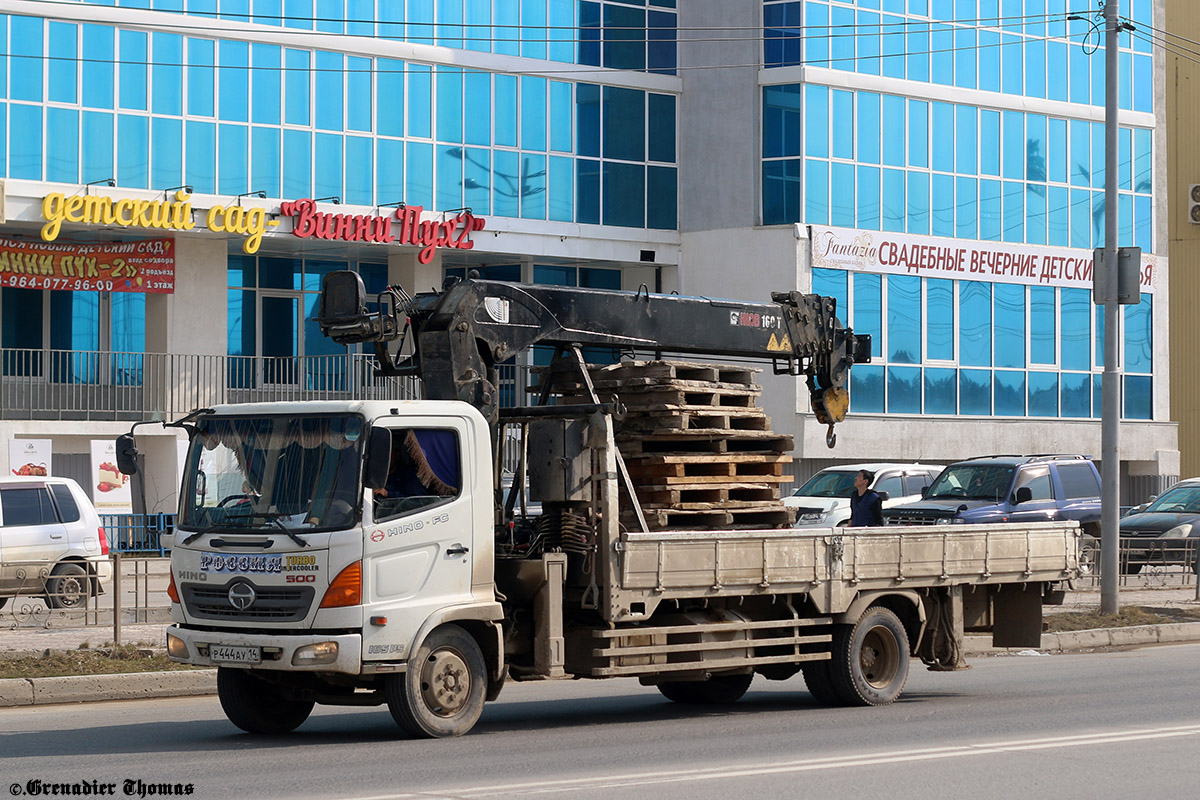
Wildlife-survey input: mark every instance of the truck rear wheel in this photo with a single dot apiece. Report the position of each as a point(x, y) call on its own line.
point(870, 659)
point(717, 690)
point(258, 706)
point(442, 692)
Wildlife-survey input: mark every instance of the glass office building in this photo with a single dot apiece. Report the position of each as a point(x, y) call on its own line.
point(609, 143)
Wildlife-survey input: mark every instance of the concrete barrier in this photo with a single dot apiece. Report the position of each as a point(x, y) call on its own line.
point(92, 688)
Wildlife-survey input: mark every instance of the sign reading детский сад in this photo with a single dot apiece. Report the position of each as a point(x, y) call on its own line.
point(146, 266)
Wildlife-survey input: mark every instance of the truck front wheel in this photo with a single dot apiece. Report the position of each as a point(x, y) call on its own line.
point(870, 659)
point(257, 706)
point(442, 692)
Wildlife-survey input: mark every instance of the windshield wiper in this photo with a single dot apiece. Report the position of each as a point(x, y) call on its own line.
point(274, 518)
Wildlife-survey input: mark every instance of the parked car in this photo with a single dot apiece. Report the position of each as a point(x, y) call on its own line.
point(824, 500)
point(1164, 531)
point(1011, 489)
point(51, 542)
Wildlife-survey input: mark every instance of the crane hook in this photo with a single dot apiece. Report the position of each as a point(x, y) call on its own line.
point(830, 437)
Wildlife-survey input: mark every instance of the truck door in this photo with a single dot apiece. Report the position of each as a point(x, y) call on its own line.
point(1041, 507)
point(418, 556)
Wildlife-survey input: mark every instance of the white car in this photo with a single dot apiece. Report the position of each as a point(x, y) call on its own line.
point(824, 500)
point(51, 542)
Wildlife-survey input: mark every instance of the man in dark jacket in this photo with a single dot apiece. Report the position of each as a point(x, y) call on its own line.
point(866, 507)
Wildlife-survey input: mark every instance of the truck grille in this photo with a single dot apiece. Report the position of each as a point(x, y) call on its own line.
point(917, 518)
point(271, 603)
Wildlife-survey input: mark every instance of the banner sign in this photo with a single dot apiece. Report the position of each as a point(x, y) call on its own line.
point(29, 457)
point(146, 266)
point(959, 259)
point(110, 487)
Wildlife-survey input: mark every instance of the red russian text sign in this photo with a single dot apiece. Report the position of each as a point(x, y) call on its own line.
point(147, 265)
point(452, 232)
point(932, 257)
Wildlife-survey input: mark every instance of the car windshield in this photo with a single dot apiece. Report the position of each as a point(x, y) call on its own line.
point(828, 483)
point(974, 481)
point(1181, 499)
point(271, 473)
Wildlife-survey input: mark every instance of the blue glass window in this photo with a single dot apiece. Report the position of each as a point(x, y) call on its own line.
point(63, 65)
point(25, 69)
point(265, 159)
point(62, 162)
point(134, 58)
point(533, 114)
point(841, 187)
point(1058, 216)
point(328, 97)
point(97, 153)
point(1014, 211)
point(918, 202)
point(449, 178)
point(942, 137)
point(843, 123)
point(420, 21)
point(389, 175)
point(359, 97)
point(167, 74)
point(506, 110)
point(201, 157)
point(561, 31)
point(1043, 394)
point(904, 390)
point(918, 133)
point(624, 194)
point(966, 220)
point(1076, 394)
point(1075, 314)
point(560, 119)
point(833, 283)
point(265, 96)
point(1042, 320)
point(868, 306)
point(587, 119)
point(989, 142)
point(297, 88)
point(816, 121)
point(419, 174)
point(941, 201)
point(297, 164)
point(232, 151)
point(868, 199)
point(449, 107)
point(867, 389)
point(941, 391)
point(1009, 319)
point(816, 193)
point(1010, 393)
point(868, 128)
point(661, 128)
point(533, 30)
point(477, 100)
point(624, 37)
point(166, 157)
point(624, 124)
point(561, 188)
point(661, 198)
point(420, 101)
point(533, 186)
point(904, 319)
point(893, 120)
point(893, 205)
point(133, 143)
point(964, 57)
point(506, 182)
point(359, 171)
point(1139, 335)
point(975, 326)
point(587, 185)
point(389, 112)
point(939, 328)
point(842, 47)
point(98, 51)
point(966, 134)
point(990, 211)
point(1138, 395)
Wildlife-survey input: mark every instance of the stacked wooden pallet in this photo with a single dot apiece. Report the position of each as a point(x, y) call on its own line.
point(699, 449)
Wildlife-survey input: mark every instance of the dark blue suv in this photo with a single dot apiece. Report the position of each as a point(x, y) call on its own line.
point(1039, 488)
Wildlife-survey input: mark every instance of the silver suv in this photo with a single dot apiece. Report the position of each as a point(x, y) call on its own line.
point(51, 542)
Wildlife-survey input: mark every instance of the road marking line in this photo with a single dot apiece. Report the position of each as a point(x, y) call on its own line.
point(804, 765)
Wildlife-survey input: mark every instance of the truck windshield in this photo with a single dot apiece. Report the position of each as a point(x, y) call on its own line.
point(828, 483)
point(974, 481)
point(264, 473)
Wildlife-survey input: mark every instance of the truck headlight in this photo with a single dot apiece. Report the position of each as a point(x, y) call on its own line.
point(320, 653)
point(176, 647)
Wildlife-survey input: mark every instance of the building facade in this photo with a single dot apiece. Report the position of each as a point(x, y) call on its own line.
point(179, 174)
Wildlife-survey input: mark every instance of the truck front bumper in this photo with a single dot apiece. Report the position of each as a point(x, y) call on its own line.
point(340, 653)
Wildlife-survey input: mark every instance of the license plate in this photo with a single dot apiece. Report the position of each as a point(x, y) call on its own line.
point(235, 655)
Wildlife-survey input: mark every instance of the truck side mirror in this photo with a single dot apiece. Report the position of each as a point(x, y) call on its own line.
point(126, 454)
point(882, 495)
point(924, 492)
point(379, 458)
point(1024, 495)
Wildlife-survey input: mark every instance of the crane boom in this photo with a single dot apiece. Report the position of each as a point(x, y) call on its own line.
point(463, 331)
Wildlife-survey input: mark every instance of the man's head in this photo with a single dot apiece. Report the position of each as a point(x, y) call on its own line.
point(863, 479)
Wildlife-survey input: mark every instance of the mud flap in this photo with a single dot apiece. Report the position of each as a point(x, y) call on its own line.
point(1017, 615)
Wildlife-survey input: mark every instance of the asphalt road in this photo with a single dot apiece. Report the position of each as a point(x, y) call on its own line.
point(1121, 724)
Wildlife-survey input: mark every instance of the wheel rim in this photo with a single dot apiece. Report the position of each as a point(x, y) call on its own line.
point(445, 683)
point(70, 590)
point(879, 657)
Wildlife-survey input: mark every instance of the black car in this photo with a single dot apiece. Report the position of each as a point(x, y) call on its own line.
point(1166, 531)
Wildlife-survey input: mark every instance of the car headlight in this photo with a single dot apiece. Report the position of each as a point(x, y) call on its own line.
point(1178, 532)
point(817, 516)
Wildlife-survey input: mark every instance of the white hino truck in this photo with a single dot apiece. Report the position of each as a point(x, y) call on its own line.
point(369, 553)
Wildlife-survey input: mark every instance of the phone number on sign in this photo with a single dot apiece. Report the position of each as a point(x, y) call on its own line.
point(34, 282)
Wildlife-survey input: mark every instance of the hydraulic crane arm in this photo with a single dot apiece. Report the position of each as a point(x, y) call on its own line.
point(462, 332)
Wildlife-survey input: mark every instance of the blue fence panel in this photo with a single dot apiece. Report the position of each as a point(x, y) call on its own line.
point(137, 533)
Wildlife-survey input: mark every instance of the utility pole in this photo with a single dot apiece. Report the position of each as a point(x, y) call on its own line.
point(1111, 387)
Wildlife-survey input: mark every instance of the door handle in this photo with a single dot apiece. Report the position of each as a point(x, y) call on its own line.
point(458, 550)
point(56, 536)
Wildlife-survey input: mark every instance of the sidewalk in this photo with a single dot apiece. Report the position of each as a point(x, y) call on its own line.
point(86, 688)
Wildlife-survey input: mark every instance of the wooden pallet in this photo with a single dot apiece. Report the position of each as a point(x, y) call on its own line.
point(674, 371)
point(747, 518)
point(698, 418)
point(634, 444)
point(701, 496)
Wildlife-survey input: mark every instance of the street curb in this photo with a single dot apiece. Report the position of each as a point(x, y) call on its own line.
point(183, 683)
point(1075, 641)
point(92, 688)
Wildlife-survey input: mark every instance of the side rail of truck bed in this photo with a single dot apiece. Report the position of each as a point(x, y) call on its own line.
point(833, 566)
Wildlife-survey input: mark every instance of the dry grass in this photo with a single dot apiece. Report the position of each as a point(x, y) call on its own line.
point(1126, 617)
point(107, 660)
